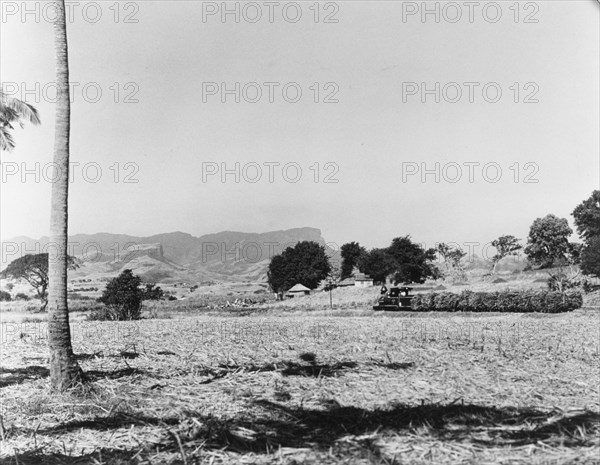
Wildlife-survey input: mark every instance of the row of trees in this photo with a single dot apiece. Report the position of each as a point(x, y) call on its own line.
point(404, 261)
point(407, 262)
point(308, 263)
point(547, 246)
point(548, 241)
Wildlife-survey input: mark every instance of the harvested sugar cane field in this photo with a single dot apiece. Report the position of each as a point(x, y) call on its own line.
point(327, 388)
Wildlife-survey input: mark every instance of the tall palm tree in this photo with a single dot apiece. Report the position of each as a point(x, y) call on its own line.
point(64, 369)
point(13, 110)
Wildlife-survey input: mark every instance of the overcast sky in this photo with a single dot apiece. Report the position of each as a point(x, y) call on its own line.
point(360, 119)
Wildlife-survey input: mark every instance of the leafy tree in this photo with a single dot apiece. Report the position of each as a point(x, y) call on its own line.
point(590, 257)
point(443, 250)
point(548, 242)
point(13, 110)
point(378, 264)
point(351, 254)
point(153, 292)
point(123, 297)
point(587, 217)
point(34, 270)
point(505, 246)
point(306, 263)
point(406, 261)
point(452, 261)
point(413, 264)
point(452, 255)
point(279, 273)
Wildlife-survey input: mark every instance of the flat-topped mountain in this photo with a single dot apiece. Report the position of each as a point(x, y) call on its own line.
point(223, 256)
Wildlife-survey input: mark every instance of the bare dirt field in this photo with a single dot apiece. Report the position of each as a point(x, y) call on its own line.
point(321, 387)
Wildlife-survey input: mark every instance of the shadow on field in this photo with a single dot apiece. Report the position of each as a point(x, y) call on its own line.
point(18, 375)
point(115, 421)
point(485, 426)
point(33, 372)
point(95, 375)
point(271, 426)
point(286, 368)
point(102, 456)
point(101, 354)
point(309, 368)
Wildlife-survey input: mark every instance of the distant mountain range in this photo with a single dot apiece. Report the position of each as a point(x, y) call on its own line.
point(171, 257)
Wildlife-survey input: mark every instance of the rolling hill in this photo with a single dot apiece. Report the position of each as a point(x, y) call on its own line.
point(171, 257)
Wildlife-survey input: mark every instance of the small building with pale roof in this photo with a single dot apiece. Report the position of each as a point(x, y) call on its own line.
point(363, 280)
point(298, 290)
point(346, 282)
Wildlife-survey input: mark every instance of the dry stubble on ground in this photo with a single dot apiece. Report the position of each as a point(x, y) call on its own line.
point(401, 388)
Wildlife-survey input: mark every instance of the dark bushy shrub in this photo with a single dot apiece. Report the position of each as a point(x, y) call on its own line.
point(5, 296)
point(504, 301)
point(122, 297)
point(21, 296)
point(152, 292)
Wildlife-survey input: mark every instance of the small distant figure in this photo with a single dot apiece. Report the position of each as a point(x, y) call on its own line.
point(384, 289)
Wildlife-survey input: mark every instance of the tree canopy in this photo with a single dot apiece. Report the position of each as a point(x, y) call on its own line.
point(590, 257)
point(351, 255)
point(548, 242)
point(406, 261)
point(505, 246)
point(587, 217)
point(305, 263)
point(451, 255)
point(453, 266)
point(414, 264)
point(377, 263)
point(33, 268)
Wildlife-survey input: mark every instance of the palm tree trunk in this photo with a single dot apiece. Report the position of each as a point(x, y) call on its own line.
point(64, 369)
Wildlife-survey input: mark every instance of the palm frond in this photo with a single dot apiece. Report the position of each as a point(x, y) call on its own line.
point(7, 115)
point(14, 110)
point(23, 109)
point(7, 143)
